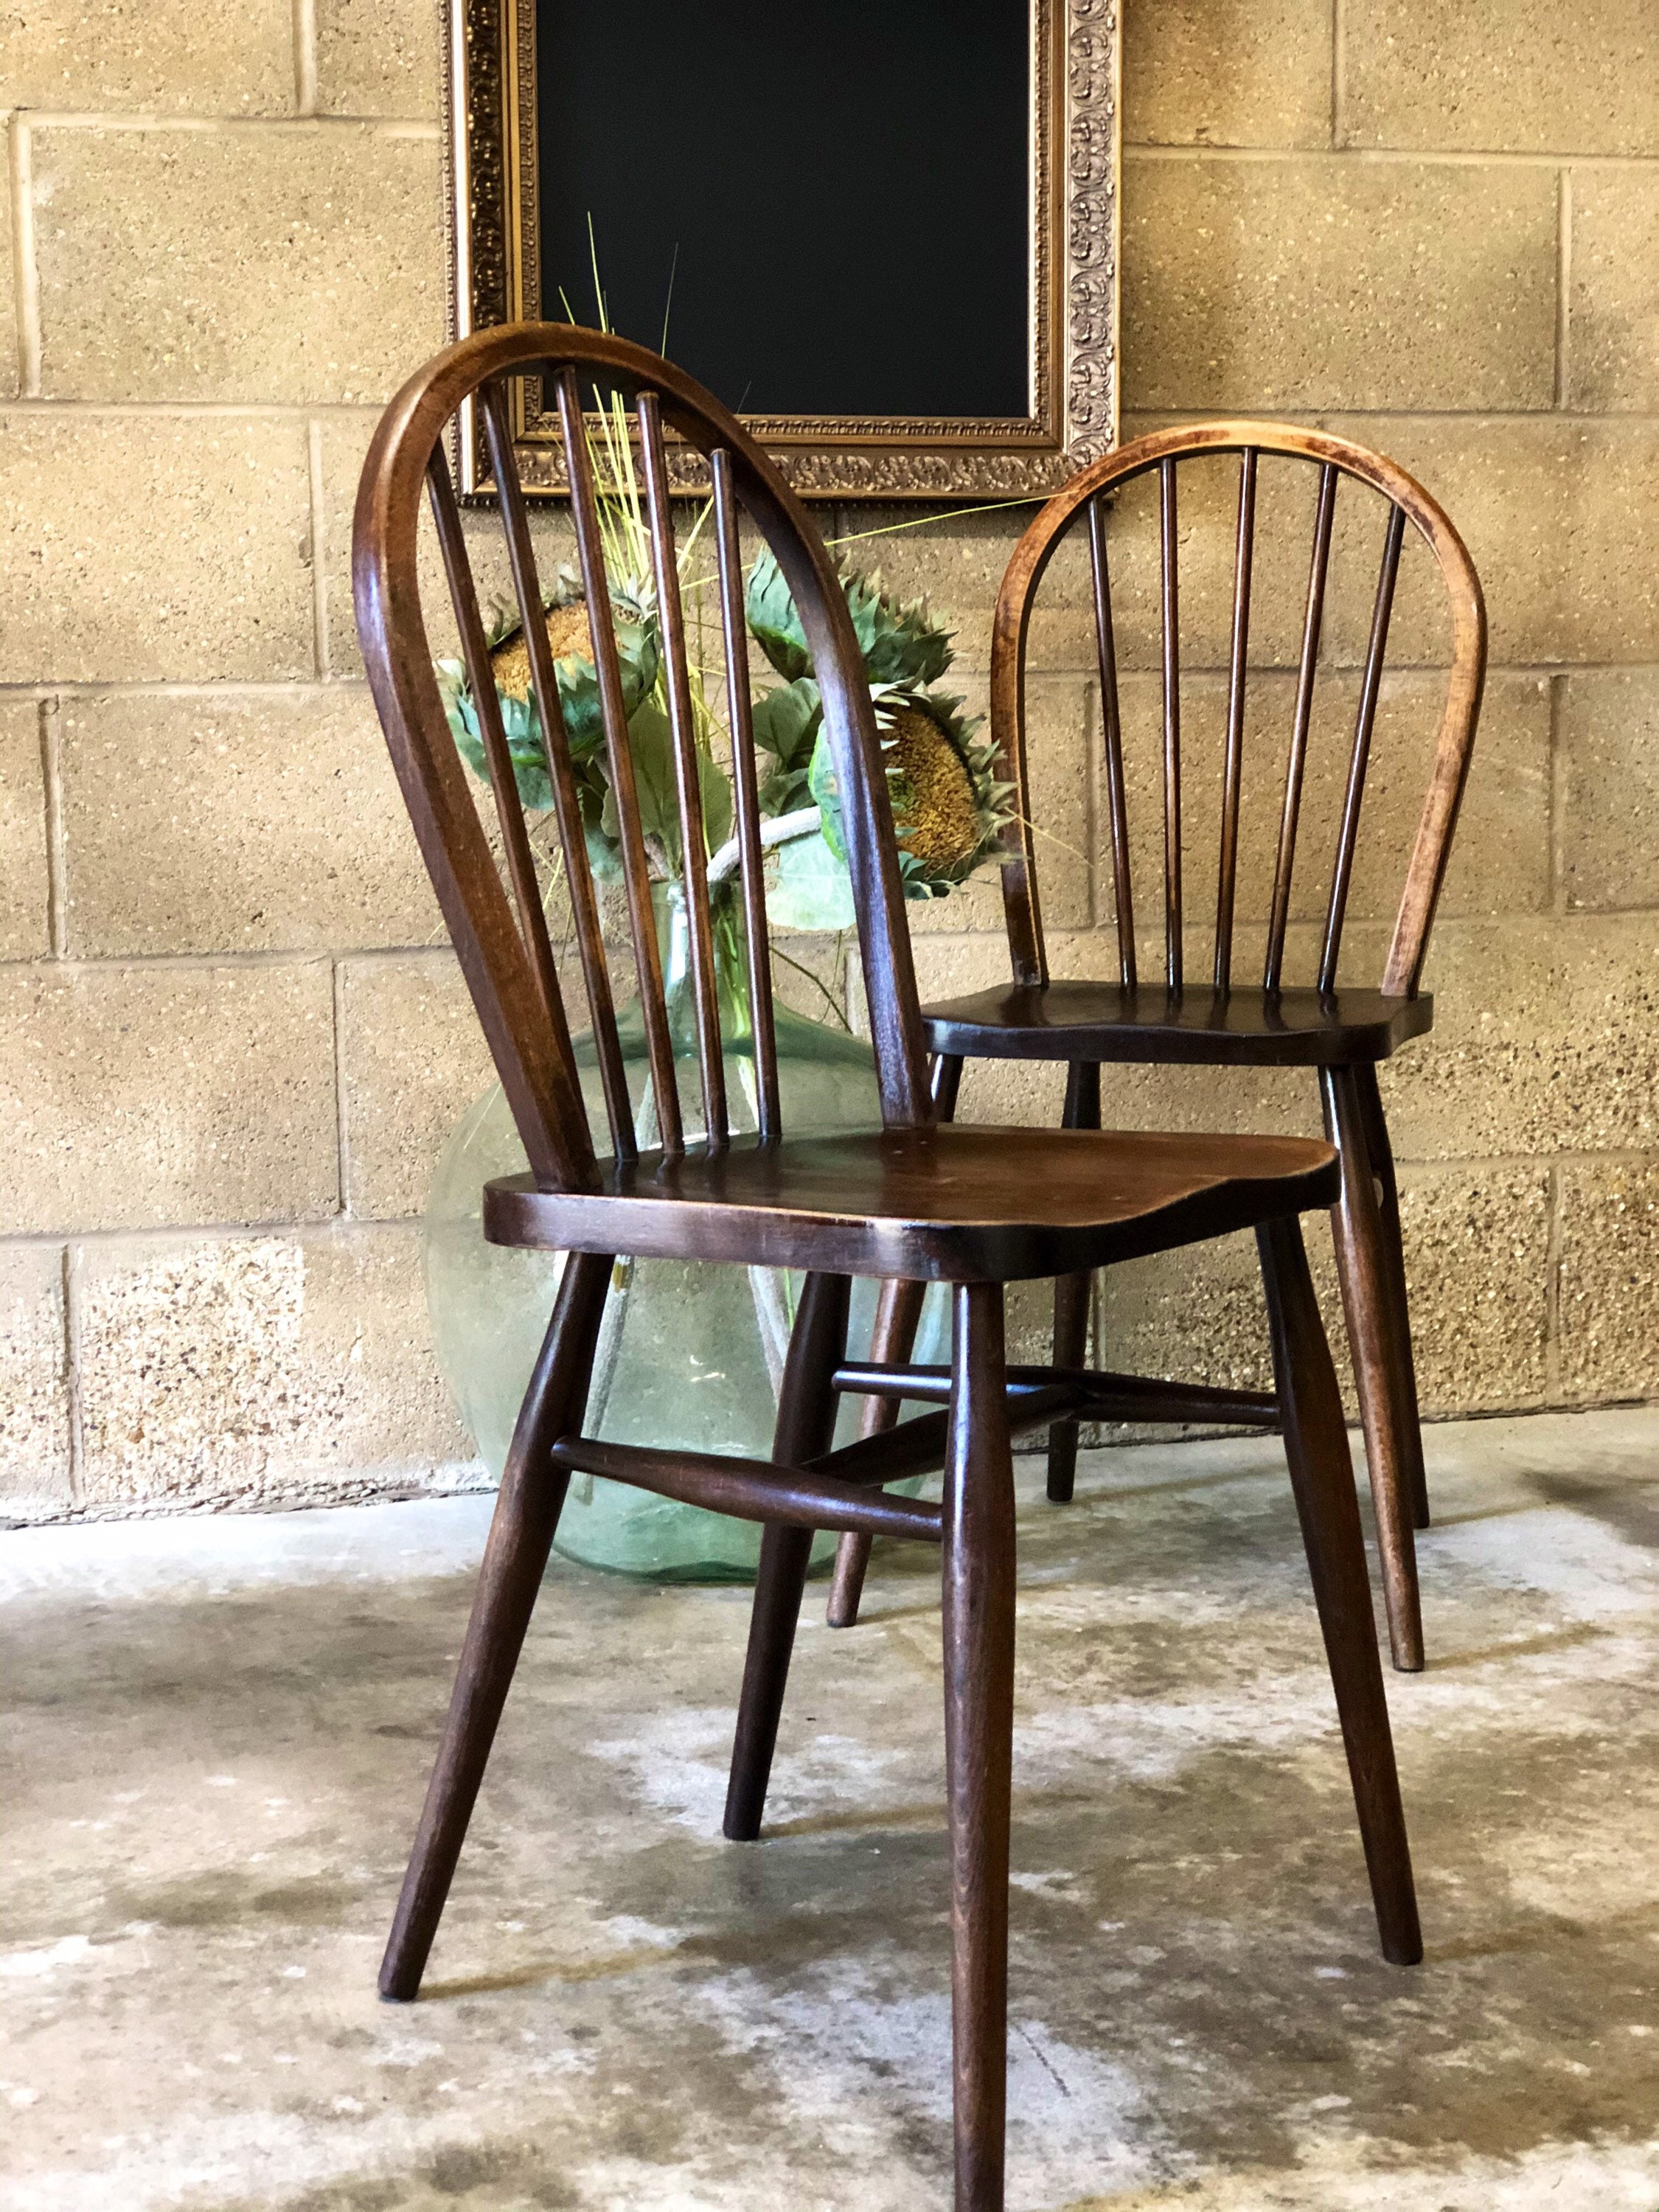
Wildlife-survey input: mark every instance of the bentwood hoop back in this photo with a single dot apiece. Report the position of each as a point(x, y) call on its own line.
point(500, 930)
point(915, 1198)
point(1084, 503)
point(1241, 1011)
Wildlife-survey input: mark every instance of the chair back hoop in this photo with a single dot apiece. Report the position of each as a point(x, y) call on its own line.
point(1084, 500)
point(499, 929)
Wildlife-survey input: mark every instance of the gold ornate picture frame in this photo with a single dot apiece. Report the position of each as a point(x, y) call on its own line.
point(491, 108)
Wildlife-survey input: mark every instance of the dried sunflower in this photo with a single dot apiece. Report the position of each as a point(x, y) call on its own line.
point(634, 625)
point(899, 639)
point(949, 809)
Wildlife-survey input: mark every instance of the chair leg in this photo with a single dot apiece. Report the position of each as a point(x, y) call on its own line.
point(890, 1341)
point(1362, 1270)
point(805, 1426)
point(1071, 1292)
point(521, 1535)
point(979, 1707)
point(1321, 1475)
point(1376, 1125)
point(898, 1313)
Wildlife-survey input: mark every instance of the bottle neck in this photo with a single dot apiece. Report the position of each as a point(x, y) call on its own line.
point(674, 949)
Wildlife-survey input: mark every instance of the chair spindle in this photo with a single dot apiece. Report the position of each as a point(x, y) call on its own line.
point(1112, 731)
point(1233, 767)
point(578, 875)
point(687, 781)
point(1365, 720)
point(756, 942)
point(636, 878)
point(1295, 765)
point(520, 862)
point(1172, 921)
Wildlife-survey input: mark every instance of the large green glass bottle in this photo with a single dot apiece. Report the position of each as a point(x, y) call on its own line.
point(689, 1354)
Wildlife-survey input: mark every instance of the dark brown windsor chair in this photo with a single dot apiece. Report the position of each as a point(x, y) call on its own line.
point(1222, 1021)
point(912, 1198)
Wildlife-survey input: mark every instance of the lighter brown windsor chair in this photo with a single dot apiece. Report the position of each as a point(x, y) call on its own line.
point(971, 1207)
point(1342, 1032)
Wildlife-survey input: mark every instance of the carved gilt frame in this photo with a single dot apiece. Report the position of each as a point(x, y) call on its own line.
point(489, 102)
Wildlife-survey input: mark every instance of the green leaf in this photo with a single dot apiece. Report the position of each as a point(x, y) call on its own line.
point(651, 743)
point(812, 890)
point(786, 722)
point(638, 656)
point(821, 782)
point(785, 790)
point(717, 815)
point(770, 612)
point(524, 746)
point(592, 794)
point(900, 640)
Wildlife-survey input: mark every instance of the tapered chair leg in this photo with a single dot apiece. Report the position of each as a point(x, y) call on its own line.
point(1378, 1363)
point(1321, 1476)
point(978, 1710)
point(1072, 1293)
point(898, 1315)
point(891, 1340)
point(1376, 1126)
point(805, 1427)
point(521, 1532)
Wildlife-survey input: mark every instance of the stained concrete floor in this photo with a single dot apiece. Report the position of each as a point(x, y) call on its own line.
point(219, 1733)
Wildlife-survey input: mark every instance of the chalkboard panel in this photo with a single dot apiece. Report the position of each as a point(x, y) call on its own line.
point(890, 227)
point(837, 191)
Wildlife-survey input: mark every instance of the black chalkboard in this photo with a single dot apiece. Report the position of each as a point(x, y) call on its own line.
point(840, 188)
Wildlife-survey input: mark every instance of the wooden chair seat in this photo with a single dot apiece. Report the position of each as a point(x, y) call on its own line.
point(956, 1203)
point(1102, 1021)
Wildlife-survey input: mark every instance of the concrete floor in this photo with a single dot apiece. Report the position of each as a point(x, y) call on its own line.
point(220, 1731)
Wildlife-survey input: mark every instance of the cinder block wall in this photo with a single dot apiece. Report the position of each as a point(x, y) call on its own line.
point(232, 1036)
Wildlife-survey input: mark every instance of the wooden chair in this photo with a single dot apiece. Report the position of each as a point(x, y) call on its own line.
point(1224, 1020)
point(912, 1198)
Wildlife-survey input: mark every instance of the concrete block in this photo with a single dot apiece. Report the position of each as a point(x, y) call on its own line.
point(1195, 1315)
point(1613, 310)
point(298, 266)
point(1477, 1252)
point(1519, 75)
point(954, 560)
point(1560, 518)
point(156, 1094)
point(378, 58)
point(140, 548)
point(1061, 737)
point(1546, 1041)
point(8, 270)
point(1609, 1291)
point(224, 58)
point(254, 1371)
point(1475, 1246)
point(1311, 282)
point(34, 1415)
point(413, 1059)
point(345, 442)
point(214, 822)
point(1204, 73)
point(1501, 861)
point(25, 882)
point(1609, 742)
point(1207, 523)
